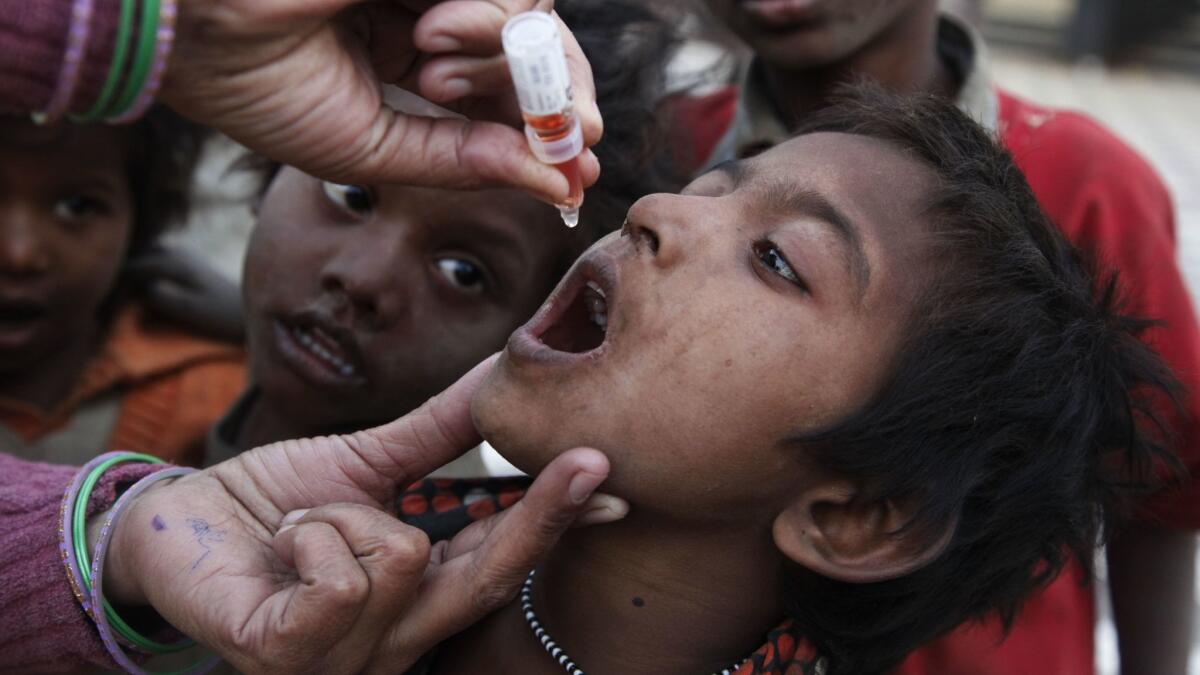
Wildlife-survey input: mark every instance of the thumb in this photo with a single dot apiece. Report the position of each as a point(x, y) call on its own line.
point(411, 447)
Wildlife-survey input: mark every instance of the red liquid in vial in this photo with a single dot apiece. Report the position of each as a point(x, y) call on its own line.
point(570, 169)
point(552, 128)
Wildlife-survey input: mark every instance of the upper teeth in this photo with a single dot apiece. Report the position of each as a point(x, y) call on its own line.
point(340, 364)
point(597, 304)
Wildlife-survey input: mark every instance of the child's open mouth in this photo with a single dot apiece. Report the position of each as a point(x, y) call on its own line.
point(582, 325)
point(574, 321)
point(320, 352)
point(19, 318)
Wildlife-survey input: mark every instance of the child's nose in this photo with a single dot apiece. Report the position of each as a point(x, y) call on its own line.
point(23, 252)
point(660, 226)
point(369, 280)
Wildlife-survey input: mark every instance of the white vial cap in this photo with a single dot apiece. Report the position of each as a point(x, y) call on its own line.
point(537, 63)
point(556, 152)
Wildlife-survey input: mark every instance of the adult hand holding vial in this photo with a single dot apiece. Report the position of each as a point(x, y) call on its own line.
point(539, 70)
point(246, 67)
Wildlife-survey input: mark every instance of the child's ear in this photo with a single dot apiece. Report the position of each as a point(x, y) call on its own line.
point(830, 532)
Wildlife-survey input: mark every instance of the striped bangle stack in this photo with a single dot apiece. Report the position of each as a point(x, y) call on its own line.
point(136, 68)
point(85, 569)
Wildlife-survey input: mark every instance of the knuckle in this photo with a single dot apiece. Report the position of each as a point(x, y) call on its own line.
point(347, 590)
point(406, 550)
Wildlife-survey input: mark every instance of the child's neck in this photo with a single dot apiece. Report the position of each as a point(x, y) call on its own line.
point(638, 596)
point(265, 424)
point(902, 59)
point(51, 381)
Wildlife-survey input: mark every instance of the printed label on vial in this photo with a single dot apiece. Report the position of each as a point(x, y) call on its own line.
point(542, 83)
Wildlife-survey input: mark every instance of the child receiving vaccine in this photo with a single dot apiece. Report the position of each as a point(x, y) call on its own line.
point(856, 391)
point(83, 367)
point(362, 301)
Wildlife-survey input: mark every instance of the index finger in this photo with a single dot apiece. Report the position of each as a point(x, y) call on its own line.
point(469, 27)
point(411, 447)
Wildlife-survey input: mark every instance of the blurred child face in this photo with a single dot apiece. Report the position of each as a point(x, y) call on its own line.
point(801, 34)
point(767, 299)
point(363, 302)
point(66, 218)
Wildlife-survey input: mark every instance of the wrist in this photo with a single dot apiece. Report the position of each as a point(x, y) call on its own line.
point(125, 569)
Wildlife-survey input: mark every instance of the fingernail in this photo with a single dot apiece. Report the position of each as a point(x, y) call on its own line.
point(583, 485)
point(283, 529)
point(603, 508)
point(442, 43)
point(291, 518)
point(456, 88)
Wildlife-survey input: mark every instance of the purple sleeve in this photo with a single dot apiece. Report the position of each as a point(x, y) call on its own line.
point(33, 36)
point(42, 627)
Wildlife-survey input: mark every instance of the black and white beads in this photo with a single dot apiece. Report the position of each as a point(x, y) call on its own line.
point(552, 647)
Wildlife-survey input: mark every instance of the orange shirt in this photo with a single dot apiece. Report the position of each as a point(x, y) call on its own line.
point(164, 386)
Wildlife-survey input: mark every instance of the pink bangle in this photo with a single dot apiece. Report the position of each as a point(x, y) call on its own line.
point(65, 547)
point(165, 38)
point(68, 76)
point(106, 632)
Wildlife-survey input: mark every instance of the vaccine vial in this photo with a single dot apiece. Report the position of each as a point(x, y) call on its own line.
point(543, 83)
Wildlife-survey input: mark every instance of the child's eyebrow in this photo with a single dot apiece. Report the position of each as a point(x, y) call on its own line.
point(783, 195)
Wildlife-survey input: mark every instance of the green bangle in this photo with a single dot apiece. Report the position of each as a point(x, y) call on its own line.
point(79, 538)
point(142, 60)
point(124, 28)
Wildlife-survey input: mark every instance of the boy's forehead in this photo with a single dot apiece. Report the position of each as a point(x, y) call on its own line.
point(858, 173)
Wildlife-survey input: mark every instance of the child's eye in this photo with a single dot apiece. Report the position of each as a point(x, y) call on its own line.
point(75, 207)
point(772, 258)
point(462, 273)
point(353, 198)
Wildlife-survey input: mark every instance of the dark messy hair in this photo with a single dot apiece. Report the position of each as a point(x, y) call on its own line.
point(1020, 412)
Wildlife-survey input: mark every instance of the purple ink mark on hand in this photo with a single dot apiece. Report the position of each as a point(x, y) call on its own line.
point(158, 524)
point(204, 535)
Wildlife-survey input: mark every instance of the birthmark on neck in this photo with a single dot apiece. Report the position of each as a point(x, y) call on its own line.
point(157, 523)
point(638, 602)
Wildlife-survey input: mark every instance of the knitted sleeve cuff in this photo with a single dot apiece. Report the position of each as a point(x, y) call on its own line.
point(33, 38)
point(42, 626)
